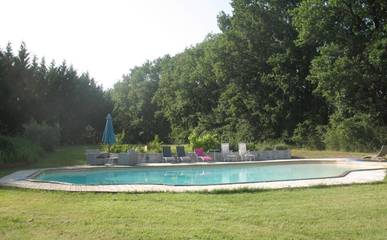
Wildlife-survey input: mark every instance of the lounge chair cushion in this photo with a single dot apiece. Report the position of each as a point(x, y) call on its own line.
point(206, 158)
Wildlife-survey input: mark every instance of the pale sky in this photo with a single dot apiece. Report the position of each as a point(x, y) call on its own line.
point(107, 38)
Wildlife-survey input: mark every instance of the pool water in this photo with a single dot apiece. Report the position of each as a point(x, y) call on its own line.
point(195, 175)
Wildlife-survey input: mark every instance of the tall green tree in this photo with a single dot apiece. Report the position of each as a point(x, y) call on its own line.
point(349, 69)
point(57, 95)
point(134, 110)
point(188, 88)
point(265, 71)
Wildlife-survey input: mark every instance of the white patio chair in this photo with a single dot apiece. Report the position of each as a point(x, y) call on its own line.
point(245, 155)
point(227, 155)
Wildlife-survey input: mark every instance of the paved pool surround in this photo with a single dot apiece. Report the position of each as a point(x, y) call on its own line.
point(368, 172)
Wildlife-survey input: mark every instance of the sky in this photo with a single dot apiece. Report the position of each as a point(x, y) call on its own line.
point(107, 37)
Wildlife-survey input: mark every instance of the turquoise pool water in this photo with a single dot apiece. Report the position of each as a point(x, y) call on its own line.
point(195, 175)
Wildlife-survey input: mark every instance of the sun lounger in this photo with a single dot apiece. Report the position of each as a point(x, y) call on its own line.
point(96, 159)
point(167, 154)
point(245, 155)
point(382, 152)
point(380, 156)
point(226, 154)
point(181, 155)
point(92, 157)
point(199, 152)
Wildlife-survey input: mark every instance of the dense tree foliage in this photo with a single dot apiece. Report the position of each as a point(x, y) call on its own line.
point(350, 68)
point(309, 72)
point(55, 95)
point(277, 67)
point(134, 109)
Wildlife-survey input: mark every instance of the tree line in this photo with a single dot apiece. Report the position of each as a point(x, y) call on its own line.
point(305, 72)
point(32, 91)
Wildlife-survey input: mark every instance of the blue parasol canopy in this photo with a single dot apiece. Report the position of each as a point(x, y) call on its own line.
point(108, 136)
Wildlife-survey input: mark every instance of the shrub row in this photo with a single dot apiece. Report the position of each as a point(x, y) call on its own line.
point(207, 141)
point(357, 133)
point(117, 148)
point(15, 150)
point(43, 134)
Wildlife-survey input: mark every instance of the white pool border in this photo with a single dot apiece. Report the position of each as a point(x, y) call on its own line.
point(21, 179)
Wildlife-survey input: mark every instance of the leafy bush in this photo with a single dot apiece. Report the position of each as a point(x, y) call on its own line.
point(241, 132)
point(18, 150)
point(268, 148)
point(253, 146)
point(43, 134)
point(358, 133)
point(205, 140)
point(309, 135)
point(269, 145)
point(118, 148)
point(7, 150)
point(281, 147)
point(155, 145)
point(120, 137)
point(89, 135)
point(244, 132)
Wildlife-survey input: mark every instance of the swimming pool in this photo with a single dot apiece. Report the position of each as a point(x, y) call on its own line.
point(200, 175)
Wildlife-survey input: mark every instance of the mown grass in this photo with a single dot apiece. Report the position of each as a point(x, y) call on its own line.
point(305, 153)
point(63, 156)
point(346, 212)
point(343, 212)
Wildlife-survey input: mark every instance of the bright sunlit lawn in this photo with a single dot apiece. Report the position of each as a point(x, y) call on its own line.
point(305, 153)
point(344, 212)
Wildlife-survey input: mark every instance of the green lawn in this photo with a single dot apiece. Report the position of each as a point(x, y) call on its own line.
point(345, 212)
point(64, 156)
point(304, 153)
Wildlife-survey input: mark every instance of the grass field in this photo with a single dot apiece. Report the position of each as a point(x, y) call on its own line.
point(344, 212)
point(64, 156)
point(304, 153)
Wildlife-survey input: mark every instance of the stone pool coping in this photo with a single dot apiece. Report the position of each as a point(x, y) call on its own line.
point(372, 172)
